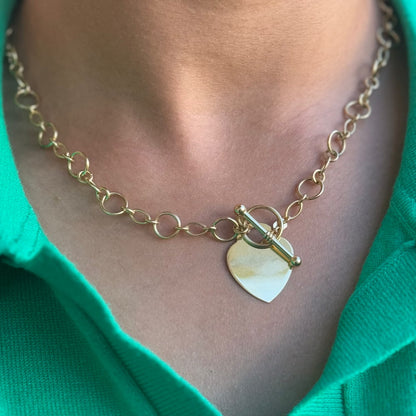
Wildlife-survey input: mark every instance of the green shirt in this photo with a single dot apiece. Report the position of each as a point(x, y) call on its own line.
point(62, 353)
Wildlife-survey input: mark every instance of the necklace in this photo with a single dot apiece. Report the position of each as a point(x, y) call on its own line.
point(261, 268)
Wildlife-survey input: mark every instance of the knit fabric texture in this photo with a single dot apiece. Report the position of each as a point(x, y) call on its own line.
point(63, 353)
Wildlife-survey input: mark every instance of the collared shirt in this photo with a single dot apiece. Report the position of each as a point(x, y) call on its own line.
point(62, 352)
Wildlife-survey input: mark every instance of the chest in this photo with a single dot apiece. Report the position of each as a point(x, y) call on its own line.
point(178, 299)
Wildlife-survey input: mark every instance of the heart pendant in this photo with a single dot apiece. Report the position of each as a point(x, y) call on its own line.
point(261, 272)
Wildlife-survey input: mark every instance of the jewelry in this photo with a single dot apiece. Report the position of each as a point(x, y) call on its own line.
point(264, 268)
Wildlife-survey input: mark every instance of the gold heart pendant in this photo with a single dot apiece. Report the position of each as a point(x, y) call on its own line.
point(261, 272)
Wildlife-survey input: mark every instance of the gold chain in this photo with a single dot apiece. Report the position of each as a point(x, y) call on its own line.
point(359, 109)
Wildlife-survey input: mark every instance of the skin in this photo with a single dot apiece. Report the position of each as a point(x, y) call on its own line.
point(194, 107)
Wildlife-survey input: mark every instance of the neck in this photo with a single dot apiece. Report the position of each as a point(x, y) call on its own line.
point(184, 64)
point(183, 100)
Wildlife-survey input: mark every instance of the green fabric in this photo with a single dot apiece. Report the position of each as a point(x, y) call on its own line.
point(62, 353)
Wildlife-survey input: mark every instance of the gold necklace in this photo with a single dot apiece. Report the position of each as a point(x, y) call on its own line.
point(261, 268)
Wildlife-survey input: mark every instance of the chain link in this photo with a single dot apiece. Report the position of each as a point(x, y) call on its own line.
point(114, 203)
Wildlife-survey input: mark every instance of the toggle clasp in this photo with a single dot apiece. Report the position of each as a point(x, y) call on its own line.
point(271, 238)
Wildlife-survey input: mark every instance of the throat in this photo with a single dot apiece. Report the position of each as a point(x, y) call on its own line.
point(177, 68)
